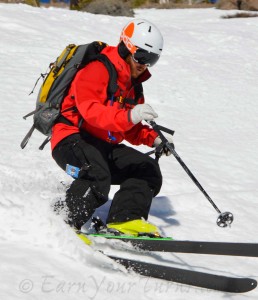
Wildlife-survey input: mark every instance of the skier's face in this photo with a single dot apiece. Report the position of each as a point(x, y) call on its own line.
point(136, 68)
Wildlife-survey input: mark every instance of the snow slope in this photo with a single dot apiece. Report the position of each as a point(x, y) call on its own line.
point(204, 87)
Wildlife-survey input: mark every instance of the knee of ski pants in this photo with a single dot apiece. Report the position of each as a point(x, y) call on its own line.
point(152, 174)
point(157, 178)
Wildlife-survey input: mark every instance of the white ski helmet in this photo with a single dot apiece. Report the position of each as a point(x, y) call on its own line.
point(144, 41)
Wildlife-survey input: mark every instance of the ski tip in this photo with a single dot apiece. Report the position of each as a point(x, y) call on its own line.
point(253, 284)
point(243, 285)
point(84, 238)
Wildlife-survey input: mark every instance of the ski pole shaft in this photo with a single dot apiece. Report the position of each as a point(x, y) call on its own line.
point(194, 179)
point(187, 170)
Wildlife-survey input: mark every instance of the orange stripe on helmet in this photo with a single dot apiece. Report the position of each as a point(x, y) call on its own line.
point(126, 35)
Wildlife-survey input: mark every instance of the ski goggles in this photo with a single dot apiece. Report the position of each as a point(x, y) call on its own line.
point(143, 57)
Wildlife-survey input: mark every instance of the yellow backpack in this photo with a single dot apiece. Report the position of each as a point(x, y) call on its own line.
point(56, 84)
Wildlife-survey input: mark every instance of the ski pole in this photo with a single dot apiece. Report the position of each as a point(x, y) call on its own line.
point(225, 218)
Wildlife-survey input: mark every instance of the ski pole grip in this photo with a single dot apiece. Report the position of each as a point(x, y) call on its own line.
point(165, 142)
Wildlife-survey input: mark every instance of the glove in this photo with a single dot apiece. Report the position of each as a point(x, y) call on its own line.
point(165, 150)
point(142, 112)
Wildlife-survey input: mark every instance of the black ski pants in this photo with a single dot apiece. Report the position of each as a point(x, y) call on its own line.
point(101, 165)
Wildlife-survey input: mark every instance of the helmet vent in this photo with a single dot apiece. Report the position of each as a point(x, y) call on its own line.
point(149, 29)
point(148, 45)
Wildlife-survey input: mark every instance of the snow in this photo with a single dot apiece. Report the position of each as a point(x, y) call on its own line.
point(204, 87)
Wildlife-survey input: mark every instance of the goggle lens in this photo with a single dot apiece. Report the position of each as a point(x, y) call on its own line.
point(143, 57)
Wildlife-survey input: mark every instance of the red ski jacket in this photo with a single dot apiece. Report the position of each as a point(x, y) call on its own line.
point(102, 117)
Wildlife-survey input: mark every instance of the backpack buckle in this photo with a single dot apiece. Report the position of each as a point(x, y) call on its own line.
point(120, 99)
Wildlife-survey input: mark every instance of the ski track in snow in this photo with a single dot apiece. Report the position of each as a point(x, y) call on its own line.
point(204, 87)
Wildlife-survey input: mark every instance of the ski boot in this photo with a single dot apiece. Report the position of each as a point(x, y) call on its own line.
point(135, 228)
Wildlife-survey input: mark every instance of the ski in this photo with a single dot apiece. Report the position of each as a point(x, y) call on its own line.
point(177, 275)
point(194, 278)
point(198, 247)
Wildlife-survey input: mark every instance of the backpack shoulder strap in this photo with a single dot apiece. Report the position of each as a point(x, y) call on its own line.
point(92, 53)
point(112, 83)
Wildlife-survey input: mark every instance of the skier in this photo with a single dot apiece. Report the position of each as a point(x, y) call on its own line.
point(90, 138)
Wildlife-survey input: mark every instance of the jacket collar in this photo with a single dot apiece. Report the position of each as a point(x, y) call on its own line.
point(122, 68)
point(143, 77)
